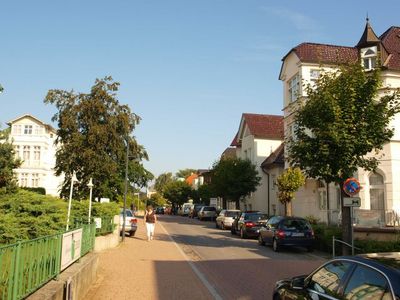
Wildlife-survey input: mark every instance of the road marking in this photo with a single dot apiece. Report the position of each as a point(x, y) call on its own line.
point(201, 276)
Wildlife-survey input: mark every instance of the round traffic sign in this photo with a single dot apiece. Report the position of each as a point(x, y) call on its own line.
point(351, 186)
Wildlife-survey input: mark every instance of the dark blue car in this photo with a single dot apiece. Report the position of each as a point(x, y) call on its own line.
point(287, 231)
point(366, 276)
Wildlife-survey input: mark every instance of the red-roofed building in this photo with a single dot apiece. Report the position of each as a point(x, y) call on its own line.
point(380, 194)
point(258, 136)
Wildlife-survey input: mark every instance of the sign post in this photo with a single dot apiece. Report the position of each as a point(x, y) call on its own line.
point(351, 187)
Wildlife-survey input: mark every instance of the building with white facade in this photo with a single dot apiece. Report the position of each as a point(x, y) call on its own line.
point(257, 138)
point(380, 194)
point(33, 142)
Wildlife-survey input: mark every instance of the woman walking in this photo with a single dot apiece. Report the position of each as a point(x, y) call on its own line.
point(150, 221)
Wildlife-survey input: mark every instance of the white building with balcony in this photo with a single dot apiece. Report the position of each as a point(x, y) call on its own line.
point(33, 142)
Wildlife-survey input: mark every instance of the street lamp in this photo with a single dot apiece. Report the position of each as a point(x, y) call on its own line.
point(90, 186)
point(125, 190)
point(73, 179)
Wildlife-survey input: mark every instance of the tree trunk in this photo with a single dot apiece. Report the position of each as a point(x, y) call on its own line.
point(346, 224)
point(237, 203)
point(328, 206)
point(288, 208)
point(224, 202)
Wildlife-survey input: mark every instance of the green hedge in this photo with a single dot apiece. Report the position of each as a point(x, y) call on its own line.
point(26, 215)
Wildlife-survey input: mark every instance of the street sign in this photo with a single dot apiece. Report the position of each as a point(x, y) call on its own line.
point(351, 186)
point(352, 201)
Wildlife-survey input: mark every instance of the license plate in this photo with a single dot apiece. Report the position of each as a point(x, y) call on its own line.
point(297, 234)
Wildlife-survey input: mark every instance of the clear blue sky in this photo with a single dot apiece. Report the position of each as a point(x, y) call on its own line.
point(188, 68)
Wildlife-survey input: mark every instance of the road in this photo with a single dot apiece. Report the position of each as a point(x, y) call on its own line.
point(232, 268)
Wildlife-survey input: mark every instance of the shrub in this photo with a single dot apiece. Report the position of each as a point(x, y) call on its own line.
point(323, 237)
point(39, 190)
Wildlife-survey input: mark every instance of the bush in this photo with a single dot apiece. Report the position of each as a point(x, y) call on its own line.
point(372, 246)
point(39, 190)
point(323, 237)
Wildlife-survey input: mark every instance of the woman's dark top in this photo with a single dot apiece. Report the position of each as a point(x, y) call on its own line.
point(150, 218)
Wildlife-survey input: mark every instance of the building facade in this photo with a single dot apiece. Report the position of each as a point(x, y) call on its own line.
point(380, 194)
point(257, 138)
point(33, 142)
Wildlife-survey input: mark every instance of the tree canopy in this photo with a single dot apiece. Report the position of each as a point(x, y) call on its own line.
point(288, 183)
point(162, 181)
point(93, 131)
point(8, 162)
point(177, 192)
point(234, 178)
point(342, 120)
point(185, 173)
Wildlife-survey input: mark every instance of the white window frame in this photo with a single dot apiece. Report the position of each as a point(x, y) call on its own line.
point(294, 88)
point(368, 61)
point(17, 129)
point(28, 129)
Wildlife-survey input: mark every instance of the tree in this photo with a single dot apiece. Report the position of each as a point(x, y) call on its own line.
point(234, 178)
point(185, 173)
point(162, 181)
point(177, 192)
point(288, 183)
point(92, 138)
point(8, 162)
point(157, 200)
point(341, 122)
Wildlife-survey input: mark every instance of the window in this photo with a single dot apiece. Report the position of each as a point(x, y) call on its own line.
point(35, 180)
point(16, 150)
point(28, 129)
point(17, 129)
point(323, 200)
point(314, 75)
point(36, 153)
point(368, 57)
point(367, 283)
point(294, 88)
point(38, 130)
point(24, 180)
point(26, 153)
point(273, 182)
point(327, 279)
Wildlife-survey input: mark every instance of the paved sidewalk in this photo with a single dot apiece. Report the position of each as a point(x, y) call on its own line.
point(138, 269)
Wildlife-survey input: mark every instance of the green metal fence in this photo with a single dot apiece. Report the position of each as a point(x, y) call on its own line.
point(27, 265)
point(107, 226)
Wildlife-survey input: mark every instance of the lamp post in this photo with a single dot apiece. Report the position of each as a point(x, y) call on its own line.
point(137, 207)
point(90, 186)
point(73, 179)
point(125, 190)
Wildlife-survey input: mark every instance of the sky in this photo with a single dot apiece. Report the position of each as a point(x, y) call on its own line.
point(188, 68)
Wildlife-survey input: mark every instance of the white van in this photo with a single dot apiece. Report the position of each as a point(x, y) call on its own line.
point(186, 208)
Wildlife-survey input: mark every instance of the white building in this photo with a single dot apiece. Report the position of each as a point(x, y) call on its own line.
point(257, 138)
point(380, 194)
point(33, 142)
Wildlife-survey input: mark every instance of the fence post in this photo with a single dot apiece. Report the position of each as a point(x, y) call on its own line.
point(16, 272)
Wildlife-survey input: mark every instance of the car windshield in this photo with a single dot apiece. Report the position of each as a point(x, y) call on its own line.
point(295, 224)
point(256, 217)
point(128, 213)
point(231, 214)
point(209, 208)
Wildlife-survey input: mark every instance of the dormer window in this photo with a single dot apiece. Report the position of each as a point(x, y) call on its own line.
point(294, 88)
point(368, 57)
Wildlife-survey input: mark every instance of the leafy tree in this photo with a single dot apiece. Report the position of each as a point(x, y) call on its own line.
point(185, 173)
point(157, 200)
point(1, 88)
point(177, 192)
point(204, 193)
point(8, 163)
point(162, 181)
point(288, 183)
point(339, 124)
point(93, 131)
point(234, 178)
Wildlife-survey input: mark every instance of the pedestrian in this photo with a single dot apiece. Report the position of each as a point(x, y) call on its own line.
point(150, 219)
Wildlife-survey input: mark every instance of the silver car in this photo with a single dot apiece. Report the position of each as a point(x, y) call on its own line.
point(226, 217)
point(130, 222)
point(207, 212)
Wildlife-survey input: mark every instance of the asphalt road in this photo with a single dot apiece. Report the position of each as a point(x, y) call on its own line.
point(234, 268)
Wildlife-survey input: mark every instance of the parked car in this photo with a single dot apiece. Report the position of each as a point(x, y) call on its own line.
point(207, 212)
point(287, 231)
point(366, 276)
point(185, 209)
point(195, 210)
point(225, 218)
point(249, 223)
point(159, 210)
point(130, 222)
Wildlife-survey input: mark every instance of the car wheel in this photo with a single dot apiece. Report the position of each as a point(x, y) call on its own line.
point(260, 240)
point(222, 226)
point(310, 249)
point(277, 297)
point(275, 245)
point(242, 234)
point(132, 233)
point(233, 231)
